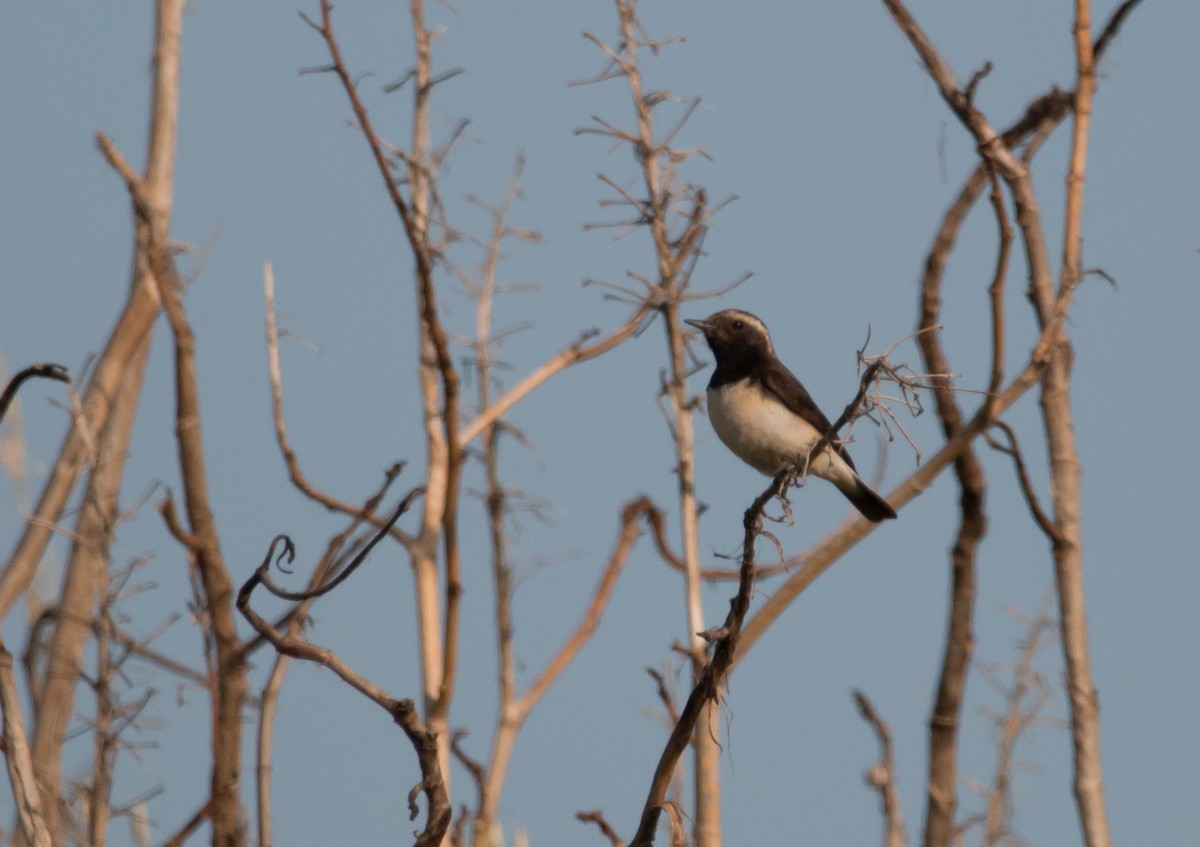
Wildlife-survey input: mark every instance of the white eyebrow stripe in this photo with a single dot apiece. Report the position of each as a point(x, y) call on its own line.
point(756, 322)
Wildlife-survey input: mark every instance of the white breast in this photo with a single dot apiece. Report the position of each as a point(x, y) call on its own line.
point(765, 435)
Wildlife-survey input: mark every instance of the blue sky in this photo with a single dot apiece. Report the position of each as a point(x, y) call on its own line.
point(842, 158)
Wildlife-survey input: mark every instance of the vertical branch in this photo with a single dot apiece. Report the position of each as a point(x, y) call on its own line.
point(707, 749)
point(437, 450)
point(1065, 476)
point(444, 448)
point(18, 759)
point(438, 642)
point(491, 783)
point(941, 786)
point(673, 253)
point(1055, 351)
point(708, 687)
point(203, 542)
point(103, 740)
point(87, 573)
point(204, 547)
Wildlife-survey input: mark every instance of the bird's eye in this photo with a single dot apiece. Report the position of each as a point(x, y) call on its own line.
point(738, 325)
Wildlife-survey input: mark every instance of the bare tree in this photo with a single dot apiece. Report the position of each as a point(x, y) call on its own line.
point(100, 435)
point(465, 436)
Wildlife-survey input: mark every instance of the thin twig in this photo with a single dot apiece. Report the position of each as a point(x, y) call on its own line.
point(291, 461)
point(882, 777)
point(597, 817)
point(665, 695)
point(1013, 450)
point(190, 825)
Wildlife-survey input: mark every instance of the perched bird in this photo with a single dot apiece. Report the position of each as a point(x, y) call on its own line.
point(766, 417)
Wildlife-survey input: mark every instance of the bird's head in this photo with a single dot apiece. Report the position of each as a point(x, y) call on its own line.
point(735, 334)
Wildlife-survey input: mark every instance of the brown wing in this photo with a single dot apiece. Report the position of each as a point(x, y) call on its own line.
point(781, 382)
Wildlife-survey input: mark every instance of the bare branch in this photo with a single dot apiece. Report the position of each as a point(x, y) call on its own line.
point(17, 756)
point(996, 289)
point(403, 712)
point(171, 518)
point(1112, 27)
point(707, 688)
point(941, 788)
point(591, 618)
point(190, 826)
point(478, 775)
point(205, 549)
point(1019, 716)
point(338, 67)
point(574, 354)
point(675, 818)
point(291, 461)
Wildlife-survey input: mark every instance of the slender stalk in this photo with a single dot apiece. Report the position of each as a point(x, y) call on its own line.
point(1067, 545)
point(941, 786)
point(708, 688)
point(672, 255)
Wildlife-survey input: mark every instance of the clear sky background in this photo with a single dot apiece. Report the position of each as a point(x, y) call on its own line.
point(819, 118)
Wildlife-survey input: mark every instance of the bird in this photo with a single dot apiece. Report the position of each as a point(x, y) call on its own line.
point(764, 414)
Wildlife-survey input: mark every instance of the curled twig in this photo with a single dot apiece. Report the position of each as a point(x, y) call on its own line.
point(43, 370)
point(403, 712)
point(288, 552)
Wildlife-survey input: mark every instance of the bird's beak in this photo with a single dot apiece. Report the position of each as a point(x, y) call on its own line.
point(700, 325)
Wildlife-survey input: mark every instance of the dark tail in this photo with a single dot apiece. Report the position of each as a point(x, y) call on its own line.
point(873, 507)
